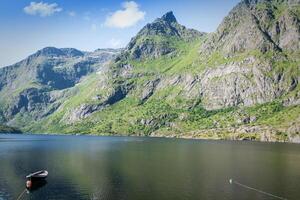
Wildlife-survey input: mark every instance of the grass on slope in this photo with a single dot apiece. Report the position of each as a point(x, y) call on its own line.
point(129, 117)
point(159, 113)
point(85, 92)
point(183, 59)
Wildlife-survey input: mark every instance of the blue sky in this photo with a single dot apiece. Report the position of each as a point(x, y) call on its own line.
point(27, 26)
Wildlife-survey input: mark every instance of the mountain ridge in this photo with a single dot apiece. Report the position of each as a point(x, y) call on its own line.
point(53, 51)
point(154, 38)
point(48, 72)
point(239, 82)
point(269, 22)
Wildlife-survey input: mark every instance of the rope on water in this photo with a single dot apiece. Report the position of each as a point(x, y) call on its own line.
point(20, 196)
point(257, 190)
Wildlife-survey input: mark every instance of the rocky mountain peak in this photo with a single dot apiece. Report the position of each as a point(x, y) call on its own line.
point(168, 17)
point(56, 52)
point(49, 51)
point(166, 25)
point(153, 40)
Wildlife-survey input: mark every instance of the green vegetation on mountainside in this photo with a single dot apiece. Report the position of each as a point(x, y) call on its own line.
point(177, 82)
point(164, 115)
point(128, 117)
point(7, 129)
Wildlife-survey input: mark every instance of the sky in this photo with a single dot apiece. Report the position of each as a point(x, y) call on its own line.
point(29, 25)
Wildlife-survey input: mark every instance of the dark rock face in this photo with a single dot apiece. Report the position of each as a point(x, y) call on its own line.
point(119, 94)
point(169, 17)
point(86, 110)
point(29, 100)
point(62, 78)
point(148, 89)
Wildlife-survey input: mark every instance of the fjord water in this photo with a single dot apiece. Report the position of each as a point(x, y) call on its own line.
point(88, 167)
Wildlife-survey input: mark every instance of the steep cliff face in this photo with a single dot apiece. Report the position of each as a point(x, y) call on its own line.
point(257, 25)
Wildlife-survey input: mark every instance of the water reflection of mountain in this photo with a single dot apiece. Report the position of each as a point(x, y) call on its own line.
point(123, 168)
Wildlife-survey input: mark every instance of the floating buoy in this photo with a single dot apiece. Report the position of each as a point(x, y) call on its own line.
point(29, 184)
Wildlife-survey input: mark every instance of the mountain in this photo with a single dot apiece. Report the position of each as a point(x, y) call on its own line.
point(157, 38)
point(33, 86)
point(239, 82)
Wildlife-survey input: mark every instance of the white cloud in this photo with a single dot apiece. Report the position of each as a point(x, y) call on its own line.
point(72, 13)
point(127, 17)
point(42, 9)
point(115, 43)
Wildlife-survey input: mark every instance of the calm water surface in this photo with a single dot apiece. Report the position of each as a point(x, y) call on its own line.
point(87, 167)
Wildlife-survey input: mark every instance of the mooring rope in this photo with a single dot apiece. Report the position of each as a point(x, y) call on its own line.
point(19, 197)
point(257, 190)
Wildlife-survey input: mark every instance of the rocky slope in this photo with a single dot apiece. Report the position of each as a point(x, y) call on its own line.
point(33, 87)
point(240, 82)
point(262, 40)
point(258, 25)
point(154, 40)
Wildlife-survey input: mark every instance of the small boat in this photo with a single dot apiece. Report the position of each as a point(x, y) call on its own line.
point(38, 175)
point(35, 185)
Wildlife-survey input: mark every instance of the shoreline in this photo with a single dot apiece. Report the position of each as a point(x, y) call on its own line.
point(173, 136)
